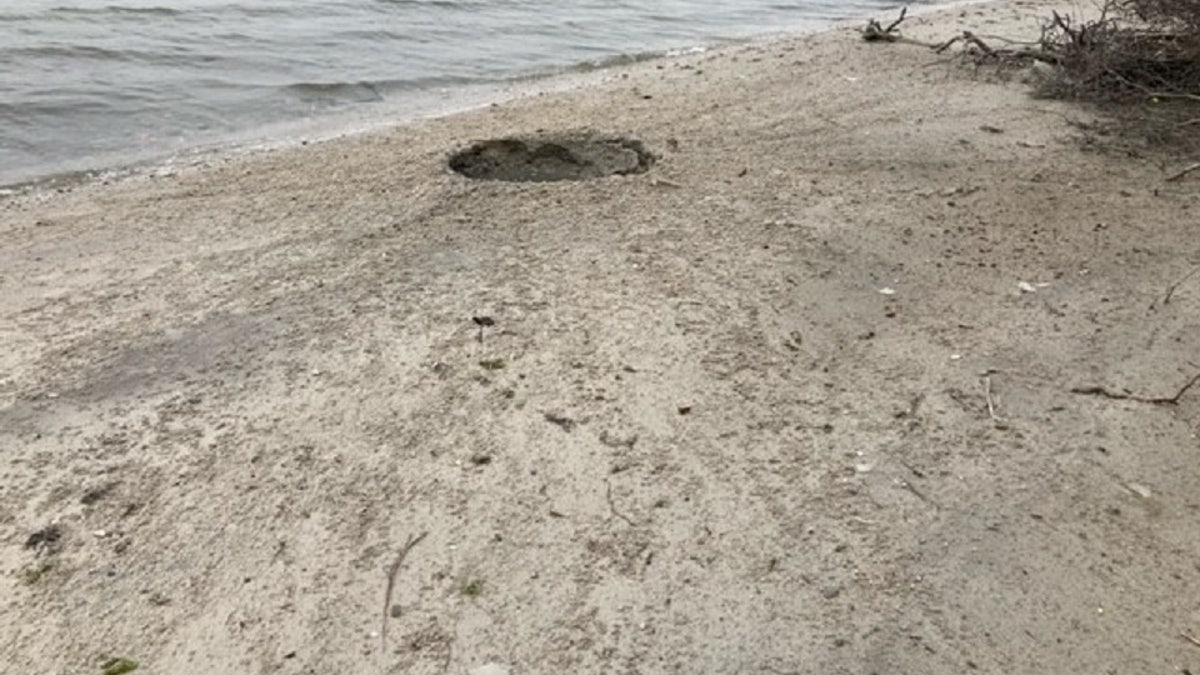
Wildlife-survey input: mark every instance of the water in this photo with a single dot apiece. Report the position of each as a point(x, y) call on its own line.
point(85, 81)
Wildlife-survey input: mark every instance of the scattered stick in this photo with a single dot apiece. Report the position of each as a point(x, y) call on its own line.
point(1126, 396)
point(914, 470)
point(1173, 95)
point(1177, 284)
point(561, 421)
point(483, 322)
point(917, 493)
point(1180, 174)
point(997, 421)
point(391, 585)
point(1190, 638)
point(612, 505)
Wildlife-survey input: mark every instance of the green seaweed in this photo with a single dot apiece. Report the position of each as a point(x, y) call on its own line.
point(473, 589)
point(33, 574)
point(118, 666)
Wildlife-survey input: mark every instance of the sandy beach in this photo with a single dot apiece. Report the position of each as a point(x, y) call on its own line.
point(877, 369)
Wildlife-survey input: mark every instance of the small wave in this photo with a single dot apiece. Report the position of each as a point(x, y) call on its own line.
point(118, 9)
point(440, 4)
point(20, 114)
point(626, 59)
point(370, 91)
point(685, 51)
point(377, 35)
point(335, 92)
point(71, 52)
point(82, 77)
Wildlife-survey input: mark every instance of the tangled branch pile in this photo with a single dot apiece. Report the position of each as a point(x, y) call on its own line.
point(1136, 49)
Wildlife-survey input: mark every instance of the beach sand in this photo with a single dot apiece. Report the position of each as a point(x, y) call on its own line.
point(799, 399)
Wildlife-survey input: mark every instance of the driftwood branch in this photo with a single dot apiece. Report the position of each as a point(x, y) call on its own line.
point(982, 50)
point(899, 20)
point(1065, 26)
point(969, 37)
point(875, 32)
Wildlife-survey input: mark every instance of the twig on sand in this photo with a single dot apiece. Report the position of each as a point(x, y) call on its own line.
point(1180, 174)
point(997, 421)
point(1173, 95)
point(916, 493)
point(612, 505)
point(1171, 289)
point(1126, 396)
point(1190, 638)
point(391, 585)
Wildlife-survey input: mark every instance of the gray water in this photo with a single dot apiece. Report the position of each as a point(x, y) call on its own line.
point(86, 81)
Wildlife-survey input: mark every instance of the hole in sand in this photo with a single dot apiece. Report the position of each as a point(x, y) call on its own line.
point(552, 158)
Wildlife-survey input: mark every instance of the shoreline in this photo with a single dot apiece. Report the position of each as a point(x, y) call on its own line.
point(419, 103)
point(370, 118)
point(816, 393)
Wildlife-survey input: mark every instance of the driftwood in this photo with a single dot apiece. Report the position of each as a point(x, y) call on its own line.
point(1120, 56)
point(877, 32)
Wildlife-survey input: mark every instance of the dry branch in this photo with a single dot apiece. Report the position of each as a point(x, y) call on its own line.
point(997, 421)
point(1143, 52)
point(391, 585)
point(1177, 176)
point(1126, 396)
point(1175, 286)
point(875, 32)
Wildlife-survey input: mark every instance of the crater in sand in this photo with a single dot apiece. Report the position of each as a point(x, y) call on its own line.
point(539, 159)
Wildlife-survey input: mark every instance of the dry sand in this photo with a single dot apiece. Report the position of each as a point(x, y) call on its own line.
point(236, 392)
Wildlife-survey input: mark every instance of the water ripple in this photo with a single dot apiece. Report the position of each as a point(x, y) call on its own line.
point(79, 80)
